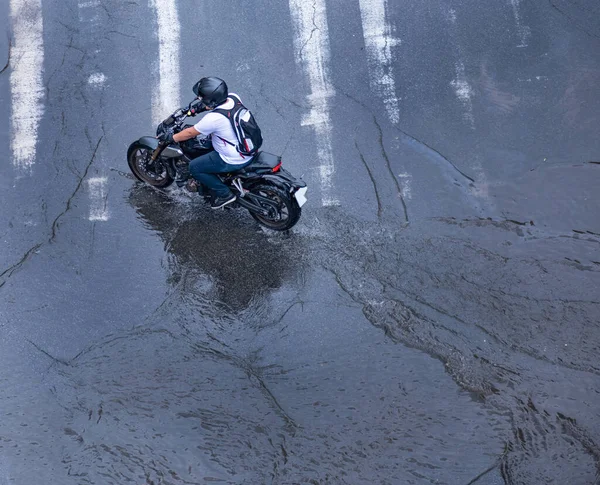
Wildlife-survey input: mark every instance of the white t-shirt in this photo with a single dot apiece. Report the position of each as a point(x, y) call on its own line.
point(219, 127)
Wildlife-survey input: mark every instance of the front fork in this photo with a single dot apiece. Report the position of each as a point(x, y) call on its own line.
point(174, 169)
point(155, 164)
point(159, 149)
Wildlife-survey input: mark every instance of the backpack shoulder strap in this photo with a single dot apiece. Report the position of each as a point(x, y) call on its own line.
point(227, 114)
point(230, 114)
point(235, 98)
point(224, 112)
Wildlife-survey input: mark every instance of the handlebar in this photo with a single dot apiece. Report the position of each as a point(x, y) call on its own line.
point(182, 113)
point(175, 121)
point(193, 107)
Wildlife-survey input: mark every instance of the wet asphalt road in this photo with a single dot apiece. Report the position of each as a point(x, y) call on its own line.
point(440, 324)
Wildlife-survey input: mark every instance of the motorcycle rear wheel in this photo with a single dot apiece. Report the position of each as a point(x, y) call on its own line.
point(138, 158)
point(287, 213)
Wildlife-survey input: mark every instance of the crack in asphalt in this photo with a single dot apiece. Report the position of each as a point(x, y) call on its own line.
point(403, 323)
point(579, 231)
point(527, 298)
point(286, 417)
point(67, 27)
point(136, 332)
point(107, 11)
point(6, 66)
point(534, 439)
point(281, 453)
point(67, 47)
point(122, 174)
point(570, 428)
point(389, 167)
point(296, 104)
point(496, 464)
point(11, 269)
point(531, 353)
point(278, 109)
point(287, 144)
point(54, 359)
point(283, 315)
point(409, 339)
point(55, 224)
point(239, 362)
point(574, 22)
point(506, 224)
point(429, 147)
point(252, 375)
point(362, 158)
point(312, 32)
point(7, 273)
point(413, 138)
point(118, 33)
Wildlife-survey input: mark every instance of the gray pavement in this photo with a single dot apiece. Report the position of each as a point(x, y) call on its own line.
point(439, 324)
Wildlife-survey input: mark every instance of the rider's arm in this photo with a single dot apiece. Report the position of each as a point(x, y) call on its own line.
point(186, 134)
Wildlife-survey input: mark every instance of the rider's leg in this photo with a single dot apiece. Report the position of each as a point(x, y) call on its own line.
point(204, 168)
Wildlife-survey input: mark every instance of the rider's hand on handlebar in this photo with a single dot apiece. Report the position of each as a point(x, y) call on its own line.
point(196, 108)
point(167, 137)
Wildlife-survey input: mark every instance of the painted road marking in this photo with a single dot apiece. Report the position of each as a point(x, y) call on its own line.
point(312, 53)
point(464, 92)
point(88, 11)
point(379, 41)
point(89, 4)
point(168, 55)
point(406, 184)
point(523, 30)
point(97, 79)
point(462, 89)
point(26, 81)
point(98, 198)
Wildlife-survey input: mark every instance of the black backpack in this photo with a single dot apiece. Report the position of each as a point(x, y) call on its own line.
point(244, 126)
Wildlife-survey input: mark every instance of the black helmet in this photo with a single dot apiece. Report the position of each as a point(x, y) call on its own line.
point(212, 91)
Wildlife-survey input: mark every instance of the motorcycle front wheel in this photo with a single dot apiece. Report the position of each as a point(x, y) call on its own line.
point(282, 217)
point(141, 165)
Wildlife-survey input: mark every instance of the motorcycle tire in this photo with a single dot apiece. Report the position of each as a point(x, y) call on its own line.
point(138, 157)
point(287, 214)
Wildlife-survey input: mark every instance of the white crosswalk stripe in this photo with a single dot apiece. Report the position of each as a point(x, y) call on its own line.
point(98, 194)
point(312, 53)
point(26, 82)
point(379, 42)
point(168, 54)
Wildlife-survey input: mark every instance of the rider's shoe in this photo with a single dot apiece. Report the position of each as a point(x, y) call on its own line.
point(183, 175)
point(191, 185)
point(219, 202)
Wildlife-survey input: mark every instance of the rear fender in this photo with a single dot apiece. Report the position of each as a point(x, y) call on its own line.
point(283, 180)
point(295, 182)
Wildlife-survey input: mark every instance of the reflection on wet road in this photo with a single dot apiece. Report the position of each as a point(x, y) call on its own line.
point(232, 264)
point(433, 318)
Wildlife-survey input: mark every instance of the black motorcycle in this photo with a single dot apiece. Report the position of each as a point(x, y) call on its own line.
point(271, 194)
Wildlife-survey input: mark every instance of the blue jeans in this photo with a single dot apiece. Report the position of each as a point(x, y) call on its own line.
point(204, 168)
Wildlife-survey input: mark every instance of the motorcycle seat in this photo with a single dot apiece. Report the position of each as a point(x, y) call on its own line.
point(262, 160)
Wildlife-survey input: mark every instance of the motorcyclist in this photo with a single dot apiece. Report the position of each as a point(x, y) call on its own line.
point(213, 93)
